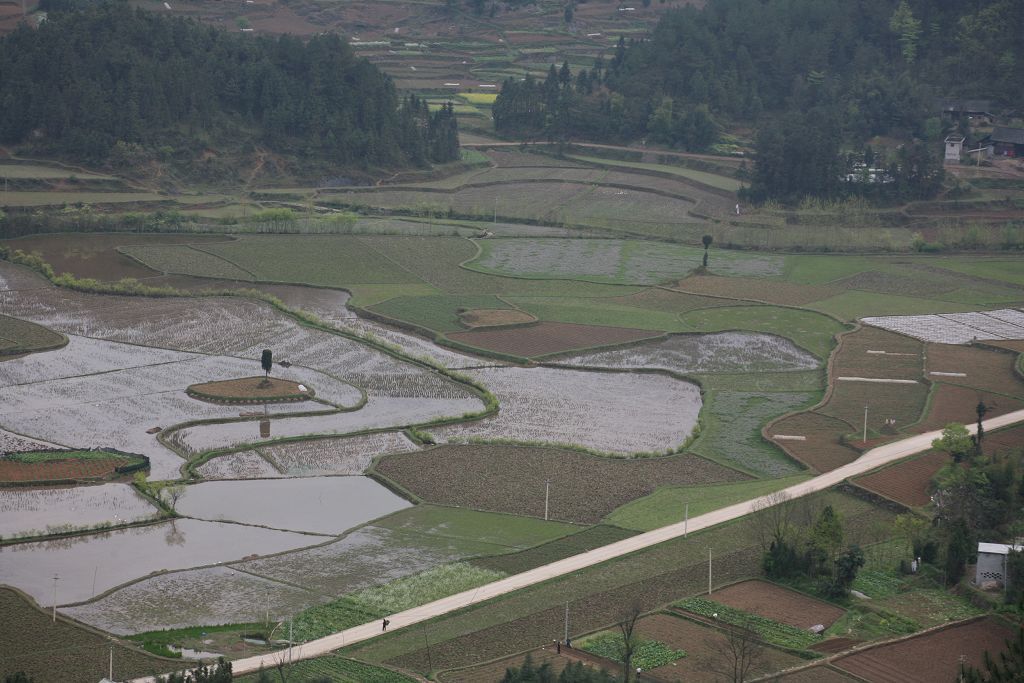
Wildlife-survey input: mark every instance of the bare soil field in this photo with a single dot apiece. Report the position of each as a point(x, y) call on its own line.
point(495, 317)
point(704, 647)
point(56, 470)
point(817, 674)
point(268, 389)
point(858, 355)
point(951, 403)
point(1011, 344)
point(494, 671)
point(584, 488)
point(96, 255)
point(1004, 439)
point(779, 604)
point(935, 656)
point(985, 369)
point(906, 482)
point(821, 449)
point(755, 289)
point(550, 338)
point(902, 404)
point(75, 654)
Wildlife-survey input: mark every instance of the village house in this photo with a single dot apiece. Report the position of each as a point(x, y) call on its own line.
point(1008, 141)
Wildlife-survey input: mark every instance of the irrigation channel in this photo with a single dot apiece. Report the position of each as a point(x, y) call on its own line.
point(876, 457)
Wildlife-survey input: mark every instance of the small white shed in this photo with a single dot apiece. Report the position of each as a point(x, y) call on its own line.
point(992, 562)
point(954, 147)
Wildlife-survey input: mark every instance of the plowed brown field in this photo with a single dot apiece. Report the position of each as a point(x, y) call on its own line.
point(984, 368)
point(1005, 440)
point(822, 450)
point(584, 488)
point(930, 657)
point(57, 470)
point(951, 403)
point(549, 338)
point(704, 647)
point(906, 482)
point(779, 604)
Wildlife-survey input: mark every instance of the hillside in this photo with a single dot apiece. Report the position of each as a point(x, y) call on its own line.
point(111, 85)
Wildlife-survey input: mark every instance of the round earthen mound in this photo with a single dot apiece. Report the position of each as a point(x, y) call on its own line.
point(251, 390)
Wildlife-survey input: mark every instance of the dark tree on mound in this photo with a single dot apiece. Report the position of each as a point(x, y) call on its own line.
point(706, 240)
point(267, 361)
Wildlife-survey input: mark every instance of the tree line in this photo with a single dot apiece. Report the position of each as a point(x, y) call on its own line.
point(816, 79)
point(106, 79)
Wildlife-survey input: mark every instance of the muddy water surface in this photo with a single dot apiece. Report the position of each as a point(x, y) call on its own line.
point(325, 505)
point(90, 565)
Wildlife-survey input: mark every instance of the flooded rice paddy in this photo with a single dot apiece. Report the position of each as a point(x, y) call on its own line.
point(196, 597)
point(322, 505)
point(90, 565)
point(616, 412)
point(706, 353)
point(33, 512)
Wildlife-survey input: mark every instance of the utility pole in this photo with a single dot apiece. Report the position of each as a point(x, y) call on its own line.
point(55, 579)
point(865, 424)
point(111, 673)
point(566, 622)
point(547, 495)
point(686, 519)
point(709, 572)
point(290, 619)
point(426, 641)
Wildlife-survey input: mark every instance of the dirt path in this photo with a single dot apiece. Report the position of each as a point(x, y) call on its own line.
point(869, 461)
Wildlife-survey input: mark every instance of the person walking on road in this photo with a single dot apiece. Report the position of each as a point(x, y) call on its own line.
point(384, 625)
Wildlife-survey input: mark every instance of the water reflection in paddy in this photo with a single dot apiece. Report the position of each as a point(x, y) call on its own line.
point(89, 565)
point(326, 505)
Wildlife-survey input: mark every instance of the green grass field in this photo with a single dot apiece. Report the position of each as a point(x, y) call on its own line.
point(438, 313)
point(457, 524)
point(809, 330)
point(667, 505)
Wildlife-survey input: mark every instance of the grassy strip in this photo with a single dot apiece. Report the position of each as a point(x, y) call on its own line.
point(560, 548)
point(402, 594)
point(54, 456)
point(667, 505)
point(770, 631)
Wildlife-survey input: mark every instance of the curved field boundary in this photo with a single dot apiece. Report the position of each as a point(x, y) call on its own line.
point(870, 460)
point(49, 340)
point(313, 322)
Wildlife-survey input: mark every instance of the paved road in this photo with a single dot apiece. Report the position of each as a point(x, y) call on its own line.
point(870, 460)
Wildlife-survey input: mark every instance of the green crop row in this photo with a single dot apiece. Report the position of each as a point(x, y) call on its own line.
point(649, 654)
point(771, 631)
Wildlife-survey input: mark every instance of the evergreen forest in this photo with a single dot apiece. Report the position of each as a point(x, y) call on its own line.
point(110, 83)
